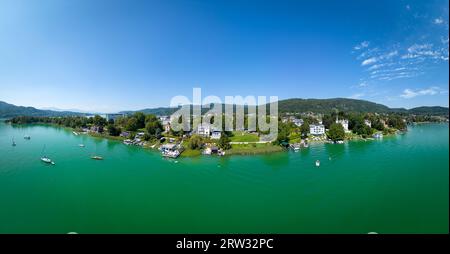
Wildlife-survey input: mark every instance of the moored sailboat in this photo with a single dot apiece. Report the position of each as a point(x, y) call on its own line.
point(45, 158)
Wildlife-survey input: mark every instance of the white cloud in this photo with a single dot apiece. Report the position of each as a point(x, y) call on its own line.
point(369, 61)
point(391, 54)
point(362, 45)
point(410, 93)
point(408, 7)
point(438, 21)
point(375, 59)
point(363, 84)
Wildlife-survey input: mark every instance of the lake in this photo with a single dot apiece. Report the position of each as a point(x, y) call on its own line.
point(399, 184)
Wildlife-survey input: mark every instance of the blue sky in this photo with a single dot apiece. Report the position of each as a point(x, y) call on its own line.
point(121, 55)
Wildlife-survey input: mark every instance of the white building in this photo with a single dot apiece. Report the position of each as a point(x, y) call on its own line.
point(317, 129)
point(216, 134)
point(204, 130)
point(344, 124)
point(298, 122)
point(166, 127)
point(368, 123)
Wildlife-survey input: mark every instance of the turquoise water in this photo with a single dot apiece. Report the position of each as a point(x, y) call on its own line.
point(396, 185)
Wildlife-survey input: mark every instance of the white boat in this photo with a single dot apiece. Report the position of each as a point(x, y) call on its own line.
point(75, 133)
point(47, 160)
point(96, 157)
point(81, 145)
point(317, 163)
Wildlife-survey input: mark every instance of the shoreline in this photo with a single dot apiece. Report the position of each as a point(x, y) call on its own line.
point(248, 149)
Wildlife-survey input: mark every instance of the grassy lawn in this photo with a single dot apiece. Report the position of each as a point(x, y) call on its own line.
point(240, 136)
point(105, 135)
point(190, 153)
point(249, 149)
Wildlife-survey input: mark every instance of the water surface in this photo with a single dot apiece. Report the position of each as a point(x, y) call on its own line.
point(396, 185)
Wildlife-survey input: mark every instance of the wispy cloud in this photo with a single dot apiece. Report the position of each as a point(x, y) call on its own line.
point(410, 93)
point(362, 45)
point(399, 61)
point(363, 84)
point(368, 61)
point(378, 58)
point(438, 21)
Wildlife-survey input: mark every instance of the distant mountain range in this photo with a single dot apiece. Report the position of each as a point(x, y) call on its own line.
point(9, 110)
point(284, 106)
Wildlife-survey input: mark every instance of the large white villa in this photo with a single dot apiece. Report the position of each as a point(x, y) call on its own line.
point(317, 129)
point(344, 123)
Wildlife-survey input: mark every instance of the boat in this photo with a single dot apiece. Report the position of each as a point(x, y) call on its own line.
point(317, 163)
point(27, 137)
point(75, 133)
point(296, 147)
point(13, 142)
point(81, 145)
point(378, 135)
point(95, 156)
point(47, 160)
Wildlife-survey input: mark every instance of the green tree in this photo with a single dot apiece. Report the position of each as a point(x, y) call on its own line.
point(99, 121)
point(140, 119)
point(378, 125)
point(153, 126)
point(396, 121)
point(304, 129)
point(113, 130)
point(195, 142)
point(336, 132)
point(224, 142)
point(132, 124)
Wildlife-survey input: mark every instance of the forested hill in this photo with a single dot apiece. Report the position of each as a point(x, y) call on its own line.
point(436, 110)
point(329, 105)
point(9, 110)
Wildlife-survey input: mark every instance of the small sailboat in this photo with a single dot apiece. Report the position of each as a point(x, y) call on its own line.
point(13, 142)
point(45, 158)
point(95, 156)
point(317, 163)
